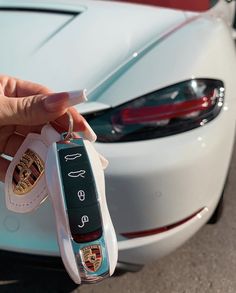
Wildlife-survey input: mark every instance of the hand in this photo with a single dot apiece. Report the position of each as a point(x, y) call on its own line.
point(25, 107)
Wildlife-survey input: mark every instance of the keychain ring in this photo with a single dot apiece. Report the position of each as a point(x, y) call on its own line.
point(69, 134)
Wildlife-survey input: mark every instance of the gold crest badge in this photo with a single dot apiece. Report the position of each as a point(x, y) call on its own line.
point(27, 172)
point(92, 257)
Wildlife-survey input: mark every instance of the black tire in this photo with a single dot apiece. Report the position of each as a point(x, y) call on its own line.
point(218, 211)
point(220, 207)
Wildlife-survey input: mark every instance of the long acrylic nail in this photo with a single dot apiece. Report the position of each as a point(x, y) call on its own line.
point(77, 97)
point(104, 161)
point(57, 101)
point(89, 133)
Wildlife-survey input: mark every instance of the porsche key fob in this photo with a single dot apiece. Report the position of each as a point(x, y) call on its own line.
point(86, 237)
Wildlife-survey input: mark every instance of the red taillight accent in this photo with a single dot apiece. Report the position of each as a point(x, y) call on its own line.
point(164, 112)
point(167, 111)
point(161, 229)
point(87, 237)
point(200, 5)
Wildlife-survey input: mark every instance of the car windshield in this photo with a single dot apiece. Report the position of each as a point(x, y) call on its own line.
point(190, 5)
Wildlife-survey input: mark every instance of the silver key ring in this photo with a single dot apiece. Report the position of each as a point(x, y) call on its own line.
point(70, 135)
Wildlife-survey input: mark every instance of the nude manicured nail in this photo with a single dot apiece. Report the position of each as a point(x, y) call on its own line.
point(104, 162)
point(89, 133)
point(57, 101)
point(77, 97)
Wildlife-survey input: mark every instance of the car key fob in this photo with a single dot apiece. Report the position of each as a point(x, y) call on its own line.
point(86, 237)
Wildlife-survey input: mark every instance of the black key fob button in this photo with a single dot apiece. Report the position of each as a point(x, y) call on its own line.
point(84, 220)
point(78, 181)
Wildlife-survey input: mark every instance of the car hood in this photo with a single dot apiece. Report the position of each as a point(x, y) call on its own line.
point(77, 44)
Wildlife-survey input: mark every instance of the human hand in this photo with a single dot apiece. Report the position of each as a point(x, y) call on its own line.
point(26, 107)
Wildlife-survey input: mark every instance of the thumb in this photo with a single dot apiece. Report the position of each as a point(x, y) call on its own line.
point(34, 110)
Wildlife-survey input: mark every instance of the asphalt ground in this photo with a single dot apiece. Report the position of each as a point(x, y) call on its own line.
point(205, 264)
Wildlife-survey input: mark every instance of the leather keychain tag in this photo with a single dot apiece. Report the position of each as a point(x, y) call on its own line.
point(25, 186)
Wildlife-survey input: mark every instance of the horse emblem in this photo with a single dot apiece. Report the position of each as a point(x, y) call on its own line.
point(92, 257)
point(27, 172)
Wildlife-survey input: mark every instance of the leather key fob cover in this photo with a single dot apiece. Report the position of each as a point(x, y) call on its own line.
point(25, 185)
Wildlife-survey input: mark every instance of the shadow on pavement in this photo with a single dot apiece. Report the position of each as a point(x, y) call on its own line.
point(16, 278)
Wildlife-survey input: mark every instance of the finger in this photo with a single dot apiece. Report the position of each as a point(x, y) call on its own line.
point(79, 125)
point(13, 87)
point(4, 163)
point(78, 119)
point(38, 109)
point(26, 88)
point(5, 133)
point(12, 145)
point(61, 124)
point(88, 132)
point(24, 130)
point(59, 128)
point(31, 110)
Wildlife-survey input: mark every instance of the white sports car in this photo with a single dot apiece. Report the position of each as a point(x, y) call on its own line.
point(162, 101)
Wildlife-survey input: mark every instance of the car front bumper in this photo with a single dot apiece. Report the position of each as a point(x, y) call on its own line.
point(147, 248)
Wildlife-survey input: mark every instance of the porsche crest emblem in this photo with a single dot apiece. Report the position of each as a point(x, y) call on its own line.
point(92, 257)
point(27, 172)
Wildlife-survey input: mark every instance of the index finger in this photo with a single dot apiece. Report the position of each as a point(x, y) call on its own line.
point(14, 87)
point(26, 88)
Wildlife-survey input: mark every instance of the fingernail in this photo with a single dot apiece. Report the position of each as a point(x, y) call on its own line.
point(104, 161)
point(77, 97)
point(89, 133)
point(58, 101)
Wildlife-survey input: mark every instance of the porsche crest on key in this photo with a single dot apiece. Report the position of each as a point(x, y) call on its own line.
point(27, 172)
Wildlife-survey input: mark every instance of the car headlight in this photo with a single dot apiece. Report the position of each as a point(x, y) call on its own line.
point(171, 110)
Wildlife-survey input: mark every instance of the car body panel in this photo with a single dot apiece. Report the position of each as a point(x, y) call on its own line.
point(91, 54)
point(158, 67)
point(15, 24)
point(120, 52)
point(146, 177)
point(147, 249)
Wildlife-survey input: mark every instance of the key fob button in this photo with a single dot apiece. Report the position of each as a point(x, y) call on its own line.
point(85, 220)
point(78, 181)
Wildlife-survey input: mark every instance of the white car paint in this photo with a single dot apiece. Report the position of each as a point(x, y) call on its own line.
point(151, 183)
point(90, 45)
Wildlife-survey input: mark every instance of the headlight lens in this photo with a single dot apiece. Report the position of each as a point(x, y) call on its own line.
point(164, 112)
